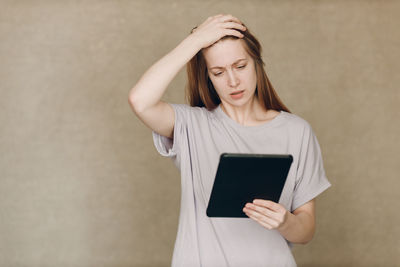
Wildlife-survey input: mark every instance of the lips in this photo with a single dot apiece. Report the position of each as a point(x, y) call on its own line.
point(237, 92)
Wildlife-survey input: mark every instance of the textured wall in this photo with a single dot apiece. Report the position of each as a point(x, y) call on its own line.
point(80, 181)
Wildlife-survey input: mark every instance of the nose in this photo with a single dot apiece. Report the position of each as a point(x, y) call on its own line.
point(233, 81)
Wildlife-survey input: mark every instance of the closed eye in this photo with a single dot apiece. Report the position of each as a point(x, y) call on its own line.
point(239, 67)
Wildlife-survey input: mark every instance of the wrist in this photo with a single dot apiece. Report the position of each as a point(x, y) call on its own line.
point(285, 227)
point(194, 41)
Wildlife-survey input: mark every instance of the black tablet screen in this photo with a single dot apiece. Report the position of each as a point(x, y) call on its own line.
point(241, 178)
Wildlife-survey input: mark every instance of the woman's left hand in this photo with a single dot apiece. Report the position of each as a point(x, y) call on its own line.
point(269, 214)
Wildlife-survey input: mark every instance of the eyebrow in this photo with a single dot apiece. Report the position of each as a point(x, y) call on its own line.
point(236, 62)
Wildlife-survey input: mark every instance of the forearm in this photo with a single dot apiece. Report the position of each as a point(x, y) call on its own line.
point(152, 85)
point(298, 228)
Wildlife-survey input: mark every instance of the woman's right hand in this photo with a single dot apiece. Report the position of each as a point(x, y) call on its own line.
point(216, 27)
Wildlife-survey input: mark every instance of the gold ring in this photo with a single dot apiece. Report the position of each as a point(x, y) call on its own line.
point(193, 29)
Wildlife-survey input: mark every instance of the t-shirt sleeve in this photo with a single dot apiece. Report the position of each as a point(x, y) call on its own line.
point(168, 147)
point(311, 179)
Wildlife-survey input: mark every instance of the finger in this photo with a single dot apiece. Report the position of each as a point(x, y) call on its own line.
point(229, 17)
point(213, 17)
point(264, 214)
point(217, 16)
point(262, 222)
point(264, 211)
point(233, 33)
point(268, 204)
point(268, 222)
point(234, 25)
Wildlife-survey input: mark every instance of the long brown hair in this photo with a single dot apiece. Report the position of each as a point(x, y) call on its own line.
point(200, 91)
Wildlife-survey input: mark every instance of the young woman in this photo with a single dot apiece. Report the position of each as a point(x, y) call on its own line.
point(233, 108)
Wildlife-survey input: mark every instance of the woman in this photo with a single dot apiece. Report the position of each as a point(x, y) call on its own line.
point(233, 108)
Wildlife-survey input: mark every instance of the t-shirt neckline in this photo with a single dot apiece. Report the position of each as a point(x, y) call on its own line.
point(237, 125)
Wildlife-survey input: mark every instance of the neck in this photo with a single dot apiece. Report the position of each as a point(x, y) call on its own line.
point(244, 114)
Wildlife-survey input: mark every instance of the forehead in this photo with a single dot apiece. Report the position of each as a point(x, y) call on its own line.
point(224, 53)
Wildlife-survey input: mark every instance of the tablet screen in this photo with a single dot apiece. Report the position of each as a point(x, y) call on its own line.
point(241, 178)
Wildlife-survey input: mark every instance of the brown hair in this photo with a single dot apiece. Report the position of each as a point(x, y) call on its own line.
point(200, 91)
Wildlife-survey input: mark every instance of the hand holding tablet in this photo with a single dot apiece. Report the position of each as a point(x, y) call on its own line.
point(269, 214)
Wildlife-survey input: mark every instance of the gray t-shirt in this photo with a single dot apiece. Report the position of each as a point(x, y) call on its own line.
point(200, 137)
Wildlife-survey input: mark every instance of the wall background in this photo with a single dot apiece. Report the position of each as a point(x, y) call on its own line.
point(81, 183)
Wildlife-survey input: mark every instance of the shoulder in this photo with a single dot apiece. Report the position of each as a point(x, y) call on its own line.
point(188, 111)
point(188, 108)
point(295, 122)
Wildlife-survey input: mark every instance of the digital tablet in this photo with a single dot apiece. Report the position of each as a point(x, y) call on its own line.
point(241, 178)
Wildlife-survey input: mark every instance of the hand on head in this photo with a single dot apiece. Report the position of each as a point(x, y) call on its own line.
point(216, 27)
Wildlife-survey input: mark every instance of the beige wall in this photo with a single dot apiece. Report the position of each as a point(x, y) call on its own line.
point(80, 181)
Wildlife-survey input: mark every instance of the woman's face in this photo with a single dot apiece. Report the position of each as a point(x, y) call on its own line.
point(232, 71)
